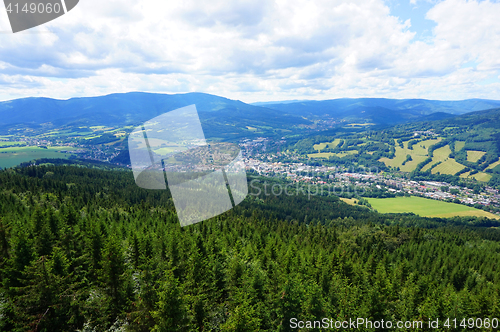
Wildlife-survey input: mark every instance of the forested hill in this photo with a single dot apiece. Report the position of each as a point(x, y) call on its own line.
point(84, 249)
point(382, 110)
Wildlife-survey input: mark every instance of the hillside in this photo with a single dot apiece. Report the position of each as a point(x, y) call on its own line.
point(383, 111)
point(467, 146)
point(219, 116)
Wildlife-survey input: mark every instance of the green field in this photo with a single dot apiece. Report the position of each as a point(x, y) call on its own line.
point(7, 143)
point(418, 154)
point(425, 207)
point(495, 164)
point(450, 166)
point(481, 176)
point(459, 145)
point(350, 201)
point(331, 145)
point(474, 156)
point(441, 155)
point(328, 154)
point(10, 157)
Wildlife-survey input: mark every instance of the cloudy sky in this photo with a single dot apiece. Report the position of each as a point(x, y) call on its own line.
point(259, 50)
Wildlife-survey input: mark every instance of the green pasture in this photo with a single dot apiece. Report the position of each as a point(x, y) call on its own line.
point(426, 207)
point(331, 145)
point(459, 145)
point(450, 166)
point(440, 154)
point(493, 165)
point(481, 176)
point(474, 156)
point(350, 201)
point(328, 154)
point(418, 154)
point(7, 143)
point(10, 157)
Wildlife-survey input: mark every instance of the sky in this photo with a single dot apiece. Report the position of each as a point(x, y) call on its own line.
point(259, 50)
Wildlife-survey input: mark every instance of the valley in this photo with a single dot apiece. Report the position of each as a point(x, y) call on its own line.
point(311, 143)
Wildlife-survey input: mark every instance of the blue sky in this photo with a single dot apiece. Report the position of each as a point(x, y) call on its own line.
point(259, 50)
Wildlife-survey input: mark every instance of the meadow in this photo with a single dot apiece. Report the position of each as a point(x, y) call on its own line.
point(474, 156)
point(328, 154)
point(418, 154)
point(331, 145)
point(481, 176)
point(425, 207)
point(13, 156)
point(8, 143)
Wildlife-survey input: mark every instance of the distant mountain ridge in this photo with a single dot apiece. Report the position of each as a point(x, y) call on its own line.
point(423, 106)
point(227, 116)
point(220, 115)
point(382, 110)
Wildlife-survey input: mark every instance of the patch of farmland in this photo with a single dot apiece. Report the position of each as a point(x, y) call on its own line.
point(331, 145)
point(459, 145)
point(449, 166)
point(328, 154)
point(474, 156)
point(440, 154)
point(418, 154)
point(493, 165)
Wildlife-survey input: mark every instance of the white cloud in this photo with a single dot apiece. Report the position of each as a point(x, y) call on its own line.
point(255, 50)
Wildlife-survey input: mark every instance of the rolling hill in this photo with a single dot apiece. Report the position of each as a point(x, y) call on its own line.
point(383, 111)
point(220, 116)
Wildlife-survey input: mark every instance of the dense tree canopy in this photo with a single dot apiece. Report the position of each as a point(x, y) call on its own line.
point(88, 250)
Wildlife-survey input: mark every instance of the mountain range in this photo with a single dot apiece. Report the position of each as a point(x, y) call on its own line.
point(383, 111)
point(225, 116)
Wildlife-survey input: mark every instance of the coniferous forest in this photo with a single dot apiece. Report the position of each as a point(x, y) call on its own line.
point(85, 249)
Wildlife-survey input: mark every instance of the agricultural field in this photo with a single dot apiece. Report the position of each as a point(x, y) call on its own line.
point(10, 157)
point(358, 125)
point(474, 156)
point(481, 176)
point(441, 155)
point(459, 145)
point(331, 145)
point(350, 201)
point(7, 143)
point(418, 154)
point(493, 165)
point(426, 207)
point(450, 166)
point(328, 154)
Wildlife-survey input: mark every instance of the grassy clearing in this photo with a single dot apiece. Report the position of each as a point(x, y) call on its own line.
point(331, 145)
point(478, 213)
point(418, 154)
point(474, 156)
point(350, 201)
point(440, 154)
point(328, 154)
point(167, 150)
point(425, 207)
point(360, 124)
point(481, 176)
point(10, 157)
point(7, 143)
point(459, 145)
point(493, 165)
point(449, 166)
point(422, 148)
point(465, 175)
